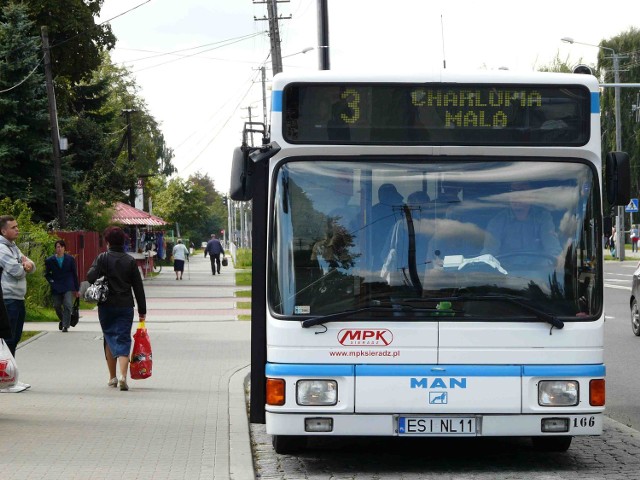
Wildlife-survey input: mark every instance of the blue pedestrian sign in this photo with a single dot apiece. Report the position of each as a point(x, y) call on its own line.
point(632, 207)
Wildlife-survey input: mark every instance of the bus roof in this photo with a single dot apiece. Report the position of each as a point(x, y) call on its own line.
point(497, 76)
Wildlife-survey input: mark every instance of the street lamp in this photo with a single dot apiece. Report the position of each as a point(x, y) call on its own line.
point(304, 50)
point(616, 72)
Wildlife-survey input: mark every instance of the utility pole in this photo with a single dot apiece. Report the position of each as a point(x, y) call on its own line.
point(55, 133)
point(132, 191)
point(620, 216)
point(274, 32)
point(264, 95)
point(250, 121)
point(323, 34)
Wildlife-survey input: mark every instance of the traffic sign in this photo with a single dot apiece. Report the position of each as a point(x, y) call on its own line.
point(632, 207)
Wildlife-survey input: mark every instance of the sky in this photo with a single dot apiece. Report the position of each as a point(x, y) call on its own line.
point(197, 62)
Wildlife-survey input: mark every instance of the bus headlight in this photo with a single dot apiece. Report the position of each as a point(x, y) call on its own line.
point(558, 393)
point(317, 392)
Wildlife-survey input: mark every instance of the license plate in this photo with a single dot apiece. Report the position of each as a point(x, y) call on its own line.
point(437, 426)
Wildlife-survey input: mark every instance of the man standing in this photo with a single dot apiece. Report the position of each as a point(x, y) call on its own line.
point(62, 274)
point(15, 267)
point(214, 249)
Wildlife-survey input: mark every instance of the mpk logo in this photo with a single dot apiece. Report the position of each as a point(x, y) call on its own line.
point(367, 337)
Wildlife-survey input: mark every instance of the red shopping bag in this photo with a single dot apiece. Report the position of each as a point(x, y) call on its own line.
point(141, 361)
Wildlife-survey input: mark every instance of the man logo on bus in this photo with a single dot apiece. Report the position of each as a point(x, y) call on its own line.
point(439, 382)
point(367, 337)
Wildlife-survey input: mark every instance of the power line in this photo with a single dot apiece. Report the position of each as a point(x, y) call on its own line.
point(197, 53)
point(175, 52)
point(25, 78)
point(99, 24)
point(251, 80)
point(25, 45)
point(222, 127)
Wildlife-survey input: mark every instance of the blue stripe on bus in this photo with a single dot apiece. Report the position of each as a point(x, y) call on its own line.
point(276, 101)
point(438, 370)
point(280, 370)
point(595, 102)
point(564, 371)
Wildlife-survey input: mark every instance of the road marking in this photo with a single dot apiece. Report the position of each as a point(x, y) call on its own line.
point(619, 287)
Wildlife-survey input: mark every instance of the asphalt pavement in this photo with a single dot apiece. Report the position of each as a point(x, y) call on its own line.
point(188, 421)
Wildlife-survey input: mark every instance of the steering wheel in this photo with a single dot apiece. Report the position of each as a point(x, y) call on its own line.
point(551, 260)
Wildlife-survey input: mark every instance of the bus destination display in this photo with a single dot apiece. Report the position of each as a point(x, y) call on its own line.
point(456, 114)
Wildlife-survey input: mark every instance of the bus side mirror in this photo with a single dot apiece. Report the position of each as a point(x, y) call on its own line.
point(241, 186)
point(583, 69)
point(618, 178)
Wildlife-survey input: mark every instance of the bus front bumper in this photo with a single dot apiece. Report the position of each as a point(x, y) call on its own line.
point(434, 425)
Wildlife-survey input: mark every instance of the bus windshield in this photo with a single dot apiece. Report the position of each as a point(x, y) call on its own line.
point(425, 237)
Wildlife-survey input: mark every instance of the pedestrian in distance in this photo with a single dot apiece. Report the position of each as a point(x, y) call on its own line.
point(62, 274)
point(116, 312)
point(214, 249)
point(634, 238)
point(180, 255)
point(15, 266)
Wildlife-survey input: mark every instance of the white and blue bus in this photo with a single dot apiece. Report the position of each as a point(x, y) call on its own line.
point(427, 256)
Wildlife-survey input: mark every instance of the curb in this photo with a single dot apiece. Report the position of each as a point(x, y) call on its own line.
point(240, 451)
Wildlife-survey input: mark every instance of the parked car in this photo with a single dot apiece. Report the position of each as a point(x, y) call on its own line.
point(635, 299)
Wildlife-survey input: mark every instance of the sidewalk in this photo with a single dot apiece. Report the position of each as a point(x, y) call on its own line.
point(188, 421)
point(629, 256)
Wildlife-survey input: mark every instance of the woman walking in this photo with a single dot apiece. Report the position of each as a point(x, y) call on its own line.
point(180, 255)
point(116, 312)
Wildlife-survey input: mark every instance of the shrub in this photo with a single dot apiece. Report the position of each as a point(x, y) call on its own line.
point(36, 243)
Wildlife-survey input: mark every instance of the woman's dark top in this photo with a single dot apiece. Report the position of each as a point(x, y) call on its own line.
point(122, 274)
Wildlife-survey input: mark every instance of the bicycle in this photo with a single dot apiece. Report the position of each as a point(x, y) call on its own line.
point(148, 248)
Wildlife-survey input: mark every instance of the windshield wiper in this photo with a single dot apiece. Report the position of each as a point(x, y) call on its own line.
point(547, 317)
point(395, 308)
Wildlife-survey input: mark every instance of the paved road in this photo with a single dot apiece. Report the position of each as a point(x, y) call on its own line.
point(175, 425)
point(614, 456)
point(622, 347)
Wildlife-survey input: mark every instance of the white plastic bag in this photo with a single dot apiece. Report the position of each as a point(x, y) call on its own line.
point(8, 366)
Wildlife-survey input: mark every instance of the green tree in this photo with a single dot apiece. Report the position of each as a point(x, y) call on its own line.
point(216, 217)
point(25, 152)
point(91, 95)
point(97, 163)
point(627, 46)
point(76, 41)
point(115, 172)
point(182, 203)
